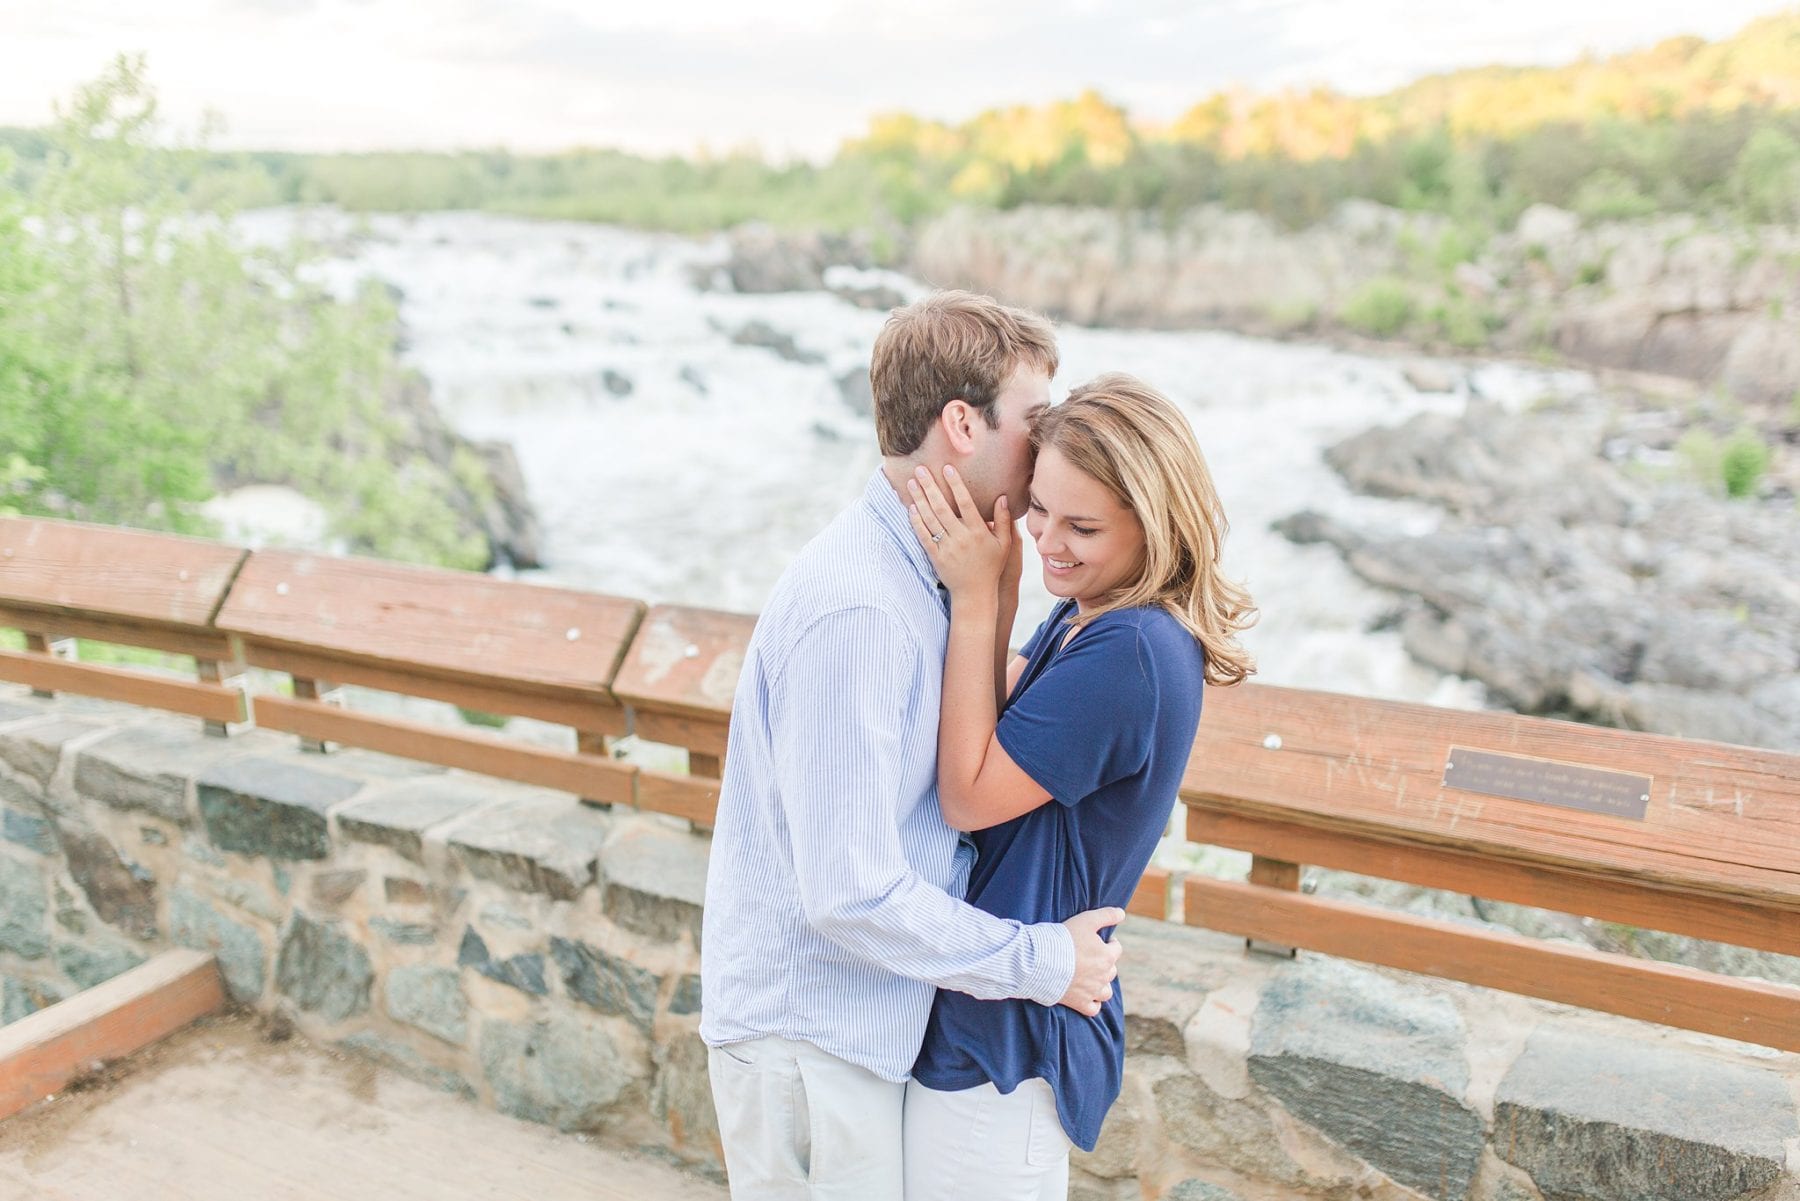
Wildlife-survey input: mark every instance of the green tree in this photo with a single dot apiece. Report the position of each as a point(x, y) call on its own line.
point(1766, 179)
point(158, 356)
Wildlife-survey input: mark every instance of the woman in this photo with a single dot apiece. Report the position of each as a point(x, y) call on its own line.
point(1069, 788)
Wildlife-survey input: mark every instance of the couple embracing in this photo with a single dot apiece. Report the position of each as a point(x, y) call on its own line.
point(923, 841)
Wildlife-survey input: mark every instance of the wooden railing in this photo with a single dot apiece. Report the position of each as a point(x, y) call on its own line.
point(1693, 838)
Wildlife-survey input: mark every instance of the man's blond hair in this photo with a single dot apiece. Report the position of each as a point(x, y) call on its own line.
point(951, 345)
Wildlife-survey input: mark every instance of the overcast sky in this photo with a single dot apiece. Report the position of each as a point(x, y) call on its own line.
point(793, 77)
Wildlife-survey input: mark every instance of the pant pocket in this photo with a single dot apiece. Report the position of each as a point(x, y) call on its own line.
point(1047, 1142)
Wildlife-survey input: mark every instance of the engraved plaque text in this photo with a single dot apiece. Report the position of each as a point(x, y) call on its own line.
point(1547, 782)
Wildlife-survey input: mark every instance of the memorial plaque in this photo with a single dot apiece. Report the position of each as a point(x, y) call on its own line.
point(1547, 782)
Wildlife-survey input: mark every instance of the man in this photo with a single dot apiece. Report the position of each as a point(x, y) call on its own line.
point(832, 900)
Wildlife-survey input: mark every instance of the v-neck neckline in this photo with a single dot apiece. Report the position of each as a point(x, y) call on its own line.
point(1056, 641)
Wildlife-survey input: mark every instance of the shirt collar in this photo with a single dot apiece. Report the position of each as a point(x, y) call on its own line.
point(881, 500)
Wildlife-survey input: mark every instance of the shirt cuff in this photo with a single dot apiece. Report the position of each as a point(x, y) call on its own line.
point(1053, 951)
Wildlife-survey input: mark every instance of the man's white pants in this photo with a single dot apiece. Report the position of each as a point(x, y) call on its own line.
point(798, 1123)
point(979, 1145)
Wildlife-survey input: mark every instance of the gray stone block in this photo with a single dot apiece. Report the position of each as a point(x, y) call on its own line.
point(88, 966)
point(401, 891)
point(430, 998)
point(562, 1072)
point(681, 1096)
point(196, 849)
point(121, 891)
point(1596, 1117)
point(1163, 983)
point(11, 710)
point(21, 998)
point(333, 888)
point(1375, 1067)
point(1239, 1136)
point(273, 807)
point(504, 918)
point(524, 972)
point(1083, 1187)
point(399, 817)
point(655, 880)
point(408, 1062)
point(606, 982)
point(542, 843)
point(32, 833)
point(1115, 1154)
point(405, 934)
point(147, 768)
point(687, 996)
point(322, 970)
point(24, 909)
point(1200, 1190)
point(253, 898)
point(194, 923)
point(24, 793)
point(33, 751)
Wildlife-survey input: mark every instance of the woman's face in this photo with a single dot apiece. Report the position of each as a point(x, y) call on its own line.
point(1089, 542)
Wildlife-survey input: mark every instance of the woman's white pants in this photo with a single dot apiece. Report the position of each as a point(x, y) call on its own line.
point(979, 1145)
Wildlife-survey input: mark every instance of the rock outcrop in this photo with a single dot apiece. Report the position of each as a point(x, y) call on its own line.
point(1571, 587)
point(1675, 295)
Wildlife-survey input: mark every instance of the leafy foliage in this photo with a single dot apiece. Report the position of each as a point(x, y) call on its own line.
point(145, 356)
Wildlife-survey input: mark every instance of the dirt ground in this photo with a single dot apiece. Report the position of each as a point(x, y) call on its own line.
point(233, 1108)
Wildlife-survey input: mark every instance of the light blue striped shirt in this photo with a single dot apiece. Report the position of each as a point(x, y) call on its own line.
point(833, 904)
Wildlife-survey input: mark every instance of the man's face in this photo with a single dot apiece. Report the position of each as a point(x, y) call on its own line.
point(1001, 464)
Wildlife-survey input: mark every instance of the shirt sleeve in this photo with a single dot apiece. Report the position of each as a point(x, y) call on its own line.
point(1089, 719)
point(1037, 637)
point(837, 712)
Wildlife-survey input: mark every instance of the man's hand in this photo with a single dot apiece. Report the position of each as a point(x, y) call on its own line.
point(1096, 961)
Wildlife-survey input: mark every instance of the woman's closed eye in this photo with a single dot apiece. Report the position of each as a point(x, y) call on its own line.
point(1084, 531)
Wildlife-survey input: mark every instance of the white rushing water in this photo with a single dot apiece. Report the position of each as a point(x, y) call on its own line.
point(701, 483)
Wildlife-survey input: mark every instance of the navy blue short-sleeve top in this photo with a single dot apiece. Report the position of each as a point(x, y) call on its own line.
point(1105, 722)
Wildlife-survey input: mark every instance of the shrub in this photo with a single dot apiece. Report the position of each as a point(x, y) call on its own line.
point(1700, 451)
point(1382, 307)
point(1766, 179)
point(1742, 462)
point(1610, 194)
point(1464, 323)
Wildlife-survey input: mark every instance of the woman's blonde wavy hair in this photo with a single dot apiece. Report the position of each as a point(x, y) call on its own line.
point(1136, 443)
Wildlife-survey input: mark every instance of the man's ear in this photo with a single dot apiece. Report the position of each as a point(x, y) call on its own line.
point(958, 420)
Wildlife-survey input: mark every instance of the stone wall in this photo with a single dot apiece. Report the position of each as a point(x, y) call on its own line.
point(529, 953)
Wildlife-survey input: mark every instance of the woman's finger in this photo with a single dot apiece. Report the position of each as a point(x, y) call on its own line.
point(934, 525)
point(922, 531)
point(940, 504)
point(959, 492)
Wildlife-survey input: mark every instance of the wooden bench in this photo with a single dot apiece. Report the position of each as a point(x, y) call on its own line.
point(677, 682)
point(484, 644)
point(1693, 838)
point(63, 580)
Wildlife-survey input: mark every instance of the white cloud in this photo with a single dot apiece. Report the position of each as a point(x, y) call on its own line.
point(795, 77)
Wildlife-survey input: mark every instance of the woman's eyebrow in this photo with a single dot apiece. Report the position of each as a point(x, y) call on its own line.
point(1033, 498)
